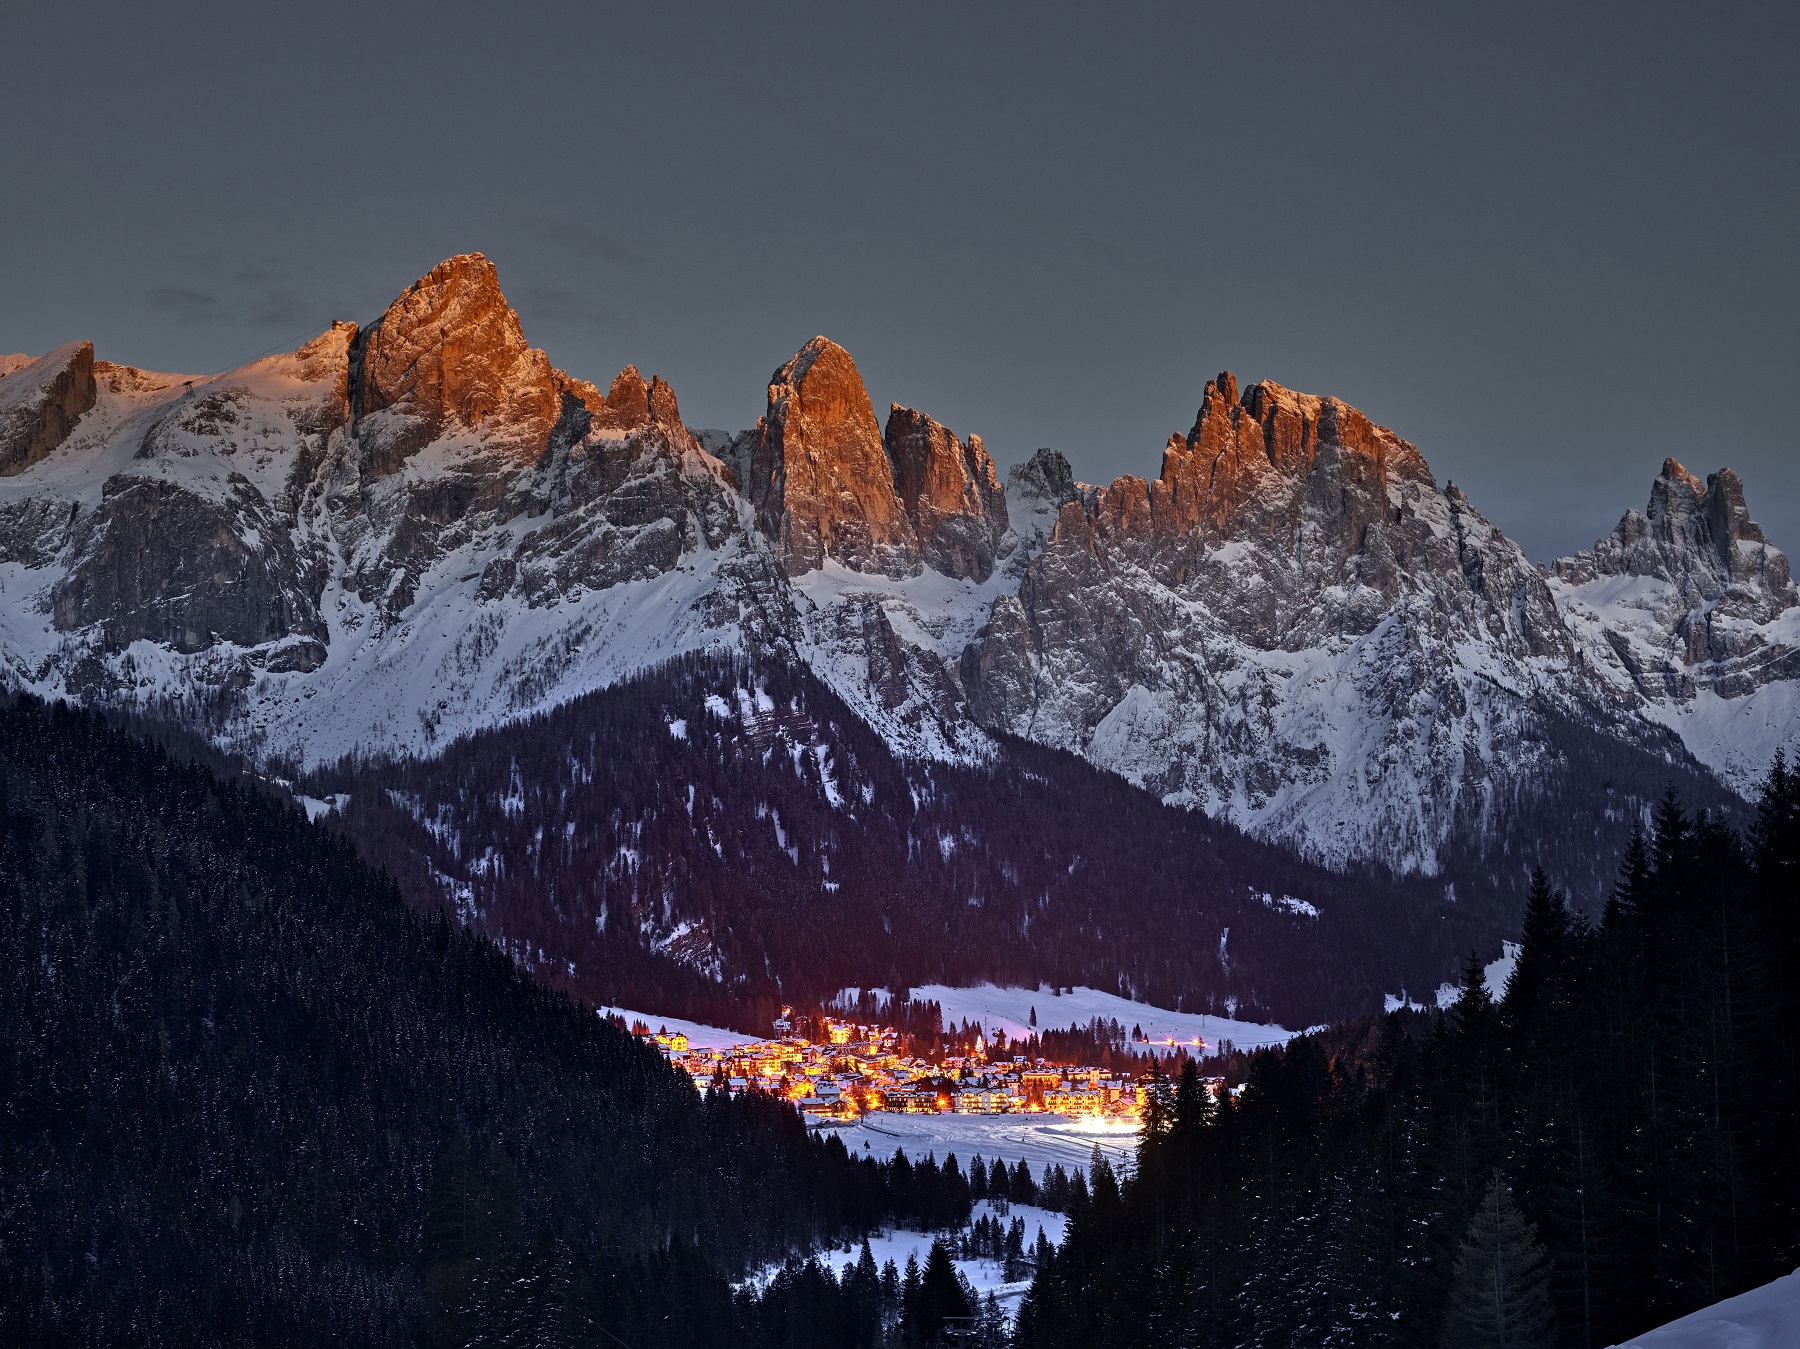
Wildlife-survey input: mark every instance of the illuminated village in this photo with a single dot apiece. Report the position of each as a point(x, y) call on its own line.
point(860, 1068)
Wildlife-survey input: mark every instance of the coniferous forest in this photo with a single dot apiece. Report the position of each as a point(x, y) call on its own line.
point(248, 1096)
point(1613, 1144)
point(796, 855)
point(251, 1096)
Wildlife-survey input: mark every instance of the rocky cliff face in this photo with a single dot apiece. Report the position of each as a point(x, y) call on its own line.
point(819, 474)
point(449, 355)
point(401, 533)
point(40, 402)
point(1291, 626)
point(1690, 615)
point(950, 492)
point(828, 483)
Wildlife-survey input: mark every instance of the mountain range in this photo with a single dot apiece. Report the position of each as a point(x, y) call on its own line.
point(400, 535)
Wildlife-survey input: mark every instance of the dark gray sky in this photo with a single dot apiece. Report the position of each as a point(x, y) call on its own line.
point(1550, 246)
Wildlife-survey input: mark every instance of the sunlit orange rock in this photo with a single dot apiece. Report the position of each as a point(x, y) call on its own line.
point(820, 478)
point(449, 354)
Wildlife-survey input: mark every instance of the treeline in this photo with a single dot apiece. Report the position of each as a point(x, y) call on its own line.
point(639, 848)
point(250, 1096)
point(1614, 1144)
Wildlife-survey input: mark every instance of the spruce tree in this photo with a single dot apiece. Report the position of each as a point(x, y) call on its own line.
point(940, 1298)
point(1499, 1292)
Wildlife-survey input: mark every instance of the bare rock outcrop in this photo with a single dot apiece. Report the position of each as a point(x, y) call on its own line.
point(160, 562)
point(630, 404)
point(449, 354)
point(40, 402)
point(827, 482)
point(1710, 606)
point(820, 477)
point(950, 491)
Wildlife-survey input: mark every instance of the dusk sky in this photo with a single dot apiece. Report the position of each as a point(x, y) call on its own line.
point(1550, 246)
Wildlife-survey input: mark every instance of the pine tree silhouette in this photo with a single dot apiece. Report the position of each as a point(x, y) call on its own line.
point(1500, 1291)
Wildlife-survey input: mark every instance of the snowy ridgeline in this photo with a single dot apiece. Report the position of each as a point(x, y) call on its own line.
point(1011, 1009)
point(1764, 1318)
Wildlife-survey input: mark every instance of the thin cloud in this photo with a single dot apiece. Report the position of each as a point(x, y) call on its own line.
point(260, 274)
point(583, 241)
point(279, 309)
point(561, 307)
point(196, 306)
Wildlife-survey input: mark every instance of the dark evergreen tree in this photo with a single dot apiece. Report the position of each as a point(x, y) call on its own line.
point(1499, 1292)
point(1633, 1093)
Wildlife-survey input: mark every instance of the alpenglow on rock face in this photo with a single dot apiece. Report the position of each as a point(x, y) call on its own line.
point(951, 494)
point(403, 532)
point(449, 355)
point(827, 483)
point(40, 402)
point(819, 474)
point(1292, 626)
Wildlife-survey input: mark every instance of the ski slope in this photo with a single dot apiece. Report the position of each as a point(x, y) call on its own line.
point(700, 1036)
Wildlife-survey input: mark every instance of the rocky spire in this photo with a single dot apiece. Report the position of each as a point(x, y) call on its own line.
point(820, 477)
point(950, 492)
point(40, 402)
point(1696, 535)
point(630, 403)
point(449, 355)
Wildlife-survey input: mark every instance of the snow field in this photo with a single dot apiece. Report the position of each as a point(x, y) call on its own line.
point(1039, 1140)
point(1495, 975)
point(1010, 1009)
point(1764, 1318)
point(986, 1276)
point(699, 1036)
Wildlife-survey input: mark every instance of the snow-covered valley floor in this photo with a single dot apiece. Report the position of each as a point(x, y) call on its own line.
point(986, 1276)
point(1040, 1140)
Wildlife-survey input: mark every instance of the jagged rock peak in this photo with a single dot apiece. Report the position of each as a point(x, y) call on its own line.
point(1250, 465)
point(40, 402)
point(630, 403)
point(820, 477)
point(1673, 472)
point(1047, 476)
point(1699, 535)
point(950, 491)
point(449, 354)
point(1286, 425)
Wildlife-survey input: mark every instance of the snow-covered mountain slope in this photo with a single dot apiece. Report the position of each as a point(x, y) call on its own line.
point(1294, 627)
point(1688, 614)
point(402, 533)
point(246, 551)
point(1764, 1318)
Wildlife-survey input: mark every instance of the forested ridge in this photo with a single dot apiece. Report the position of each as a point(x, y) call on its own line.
point(249, 1096)
point(639, 848)
point(1615, 1143)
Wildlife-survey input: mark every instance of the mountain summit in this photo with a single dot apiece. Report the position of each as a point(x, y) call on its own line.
point(828, 483)
point(403, 532)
